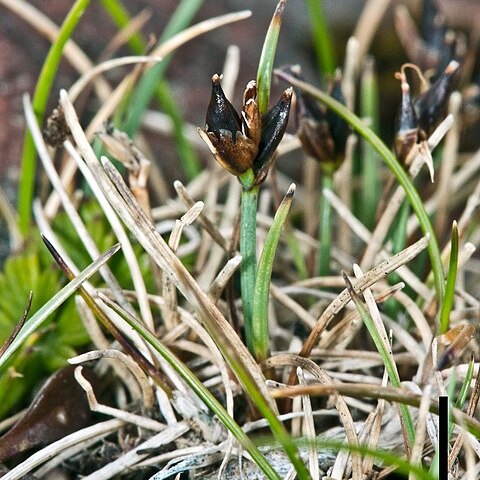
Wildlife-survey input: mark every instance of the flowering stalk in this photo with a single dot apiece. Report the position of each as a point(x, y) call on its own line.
point(325, 229)
point(248, 250)
point(245, 145)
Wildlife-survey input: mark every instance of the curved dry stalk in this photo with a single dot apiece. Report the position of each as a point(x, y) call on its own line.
point(77, 88)
point(101, 343)
point(123, 35)
point(309, 429)
point(135, 370)
point(223, 277)
point(127, 417)
point(323, 378)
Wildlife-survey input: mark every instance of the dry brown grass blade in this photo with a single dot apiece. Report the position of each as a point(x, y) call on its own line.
point(18, 326)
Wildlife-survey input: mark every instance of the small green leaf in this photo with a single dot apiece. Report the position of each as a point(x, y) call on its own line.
point(265, 65)
point(260, 335)
point(444, 323)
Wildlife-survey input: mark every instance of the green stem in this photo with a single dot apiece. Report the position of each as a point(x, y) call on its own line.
point(322, 40)
point(370, 161)
point(39, 103)
point(398, 244)
point(447, 304)
point(325, 227)
point(248, 250)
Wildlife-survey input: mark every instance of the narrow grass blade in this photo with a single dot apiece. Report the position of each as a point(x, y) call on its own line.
point(322, 40)
point(40, 98)
point(392, 164)
point(265, 65)
point(42, 314)
point(18, 326)
point(325, 227)
point(386, 355)
point(369, 159)
point(264, 276)
point(444, 322)
point(203, 393)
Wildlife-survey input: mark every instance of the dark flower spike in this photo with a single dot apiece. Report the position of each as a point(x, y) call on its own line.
point(225, 131)
point(322, 132)
point(432, 105)
point(406, 124)
point(274, 124)
point(311, 118)
point(221, 114)
point(248, 141)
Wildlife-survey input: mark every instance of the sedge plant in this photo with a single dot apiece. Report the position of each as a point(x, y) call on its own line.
point(245, 146)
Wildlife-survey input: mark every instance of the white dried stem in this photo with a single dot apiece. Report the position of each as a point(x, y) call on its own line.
point(120, 234)
point(70, 209)
point(309, 429)
point(139, 421)
point(135, 370)
point(223, 277)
